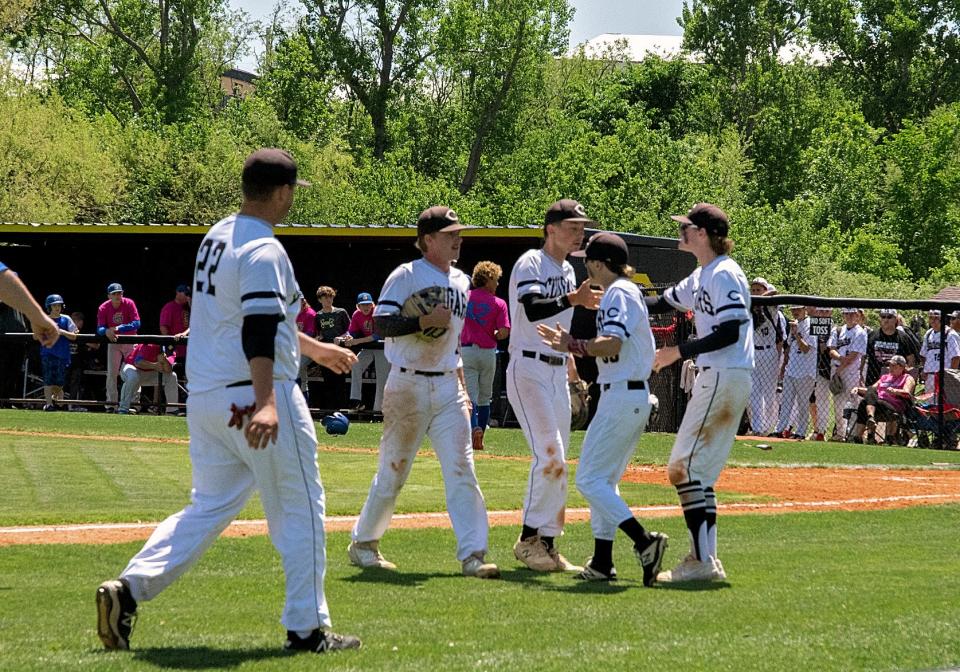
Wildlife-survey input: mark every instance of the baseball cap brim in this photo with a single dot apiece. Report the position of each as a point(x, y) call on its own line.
point(683, 219)
point(303, 183)
point(454, 227)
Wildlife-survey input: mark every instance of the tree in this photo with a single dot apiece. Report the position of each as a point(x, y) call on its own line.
point(901, 57)
point(376, 48)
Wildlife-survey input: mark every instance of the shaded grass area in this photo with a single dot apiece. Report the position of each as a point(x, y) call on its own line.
point(832, 591)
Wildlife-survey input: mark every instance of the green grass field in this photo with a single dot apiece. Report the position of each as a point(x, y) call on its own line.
point(825, 591)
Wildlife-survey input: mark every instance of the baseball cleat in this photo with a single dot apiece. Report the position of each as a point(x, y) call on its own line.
point(534, 554)
point(367, 554)
point(116, 614)
point(321, 641)
point(475, 566)
point(651, 557)
point(691, 569)
point(588, 573)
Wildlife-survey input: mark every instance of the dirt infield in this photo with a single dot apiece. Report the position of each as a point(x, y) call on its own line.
point(783, 490)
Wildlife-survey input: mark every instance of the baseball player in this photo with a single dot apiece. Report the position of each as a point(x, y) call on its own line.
point(543, 290)
point(56, 359)
point(718, 293)
point(846, 347)
point(768, 336)
point(148, 364)
point(798, 376)
point(249, 423)
point(425, 396)
point(624, 349)
point(931, 352)
point(116, 315)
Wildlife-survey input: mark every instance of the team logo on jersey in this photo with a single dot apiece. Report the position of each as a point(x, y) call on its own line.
point(734, 295)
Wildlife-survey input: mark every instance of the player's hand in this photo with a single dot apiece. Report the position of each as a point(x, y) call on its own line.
point(263, 427)
point(665, 357)
point(558, 339)
point(46, 331)
point(335, 358)
point(586, 296)
point(111, 335)
point(438, 317)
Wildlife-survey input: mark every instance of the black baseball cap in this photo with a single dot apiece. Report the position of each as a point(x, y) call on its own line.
point(271, 167)
point(566, 210)
point(706, 216)
point(605, 246)
point(439, 218)
point(185, 288)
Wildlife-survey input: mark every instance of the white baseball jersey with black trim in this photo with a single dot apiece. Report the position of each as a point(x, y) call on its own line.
point(930, 349)
point(846, 341)
point(716, 293)
point(536, 272)
point(412, 351)
point(241, 269)
point(623, 315)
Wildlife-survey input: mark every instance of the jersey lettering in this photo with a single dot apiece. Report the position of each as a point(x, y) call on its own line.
point(704, 304)
point(556, 286)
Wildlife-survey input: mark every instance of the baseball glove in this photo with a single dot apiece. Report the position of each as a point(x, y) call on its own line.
point(423, 303)
point(579, 404)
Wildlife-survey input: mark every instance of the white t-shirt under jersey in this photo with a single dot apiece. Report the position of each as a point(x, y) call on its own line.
point(536, 272)
point(413, 351)
point(623, 315)
point(241, 269)
point(716, 293)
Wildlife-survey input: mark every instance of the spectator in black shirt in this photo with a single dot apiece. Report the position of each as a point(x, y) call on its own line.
point(889, 340)
point(332, 324)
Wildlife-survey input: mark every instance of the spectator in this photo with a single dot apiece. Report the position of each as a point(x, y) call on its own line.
point(175, 319)
point(116, 315)
point(848, 345)
point(889, 340)
point(307, 323)
point(81, 359)
point(768, 337)
point(798, 376)
point(147, 364)
point(820, 399)
point(930, 351)
point(332, 325)
point(886, 400)
point(361, 331)
point(487, 321)
point(56, 358)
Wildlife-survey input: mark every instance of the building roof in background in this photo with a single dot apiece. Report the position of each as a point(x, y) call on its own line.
point(948, 294)
point(637, 47)
point(242, 75)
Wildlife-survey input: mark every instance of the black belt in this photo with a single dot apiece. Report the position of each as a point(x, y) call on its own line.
point(429, 374)
point(241, 383)
point(631, 385)
point(552, 361)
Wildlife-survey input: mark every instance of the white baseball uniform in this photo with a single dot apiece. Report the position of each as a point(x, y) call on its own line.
point(930, 351)
point(623, 410)
point(763, 393)
point(241, 270)
point(537, 388)
point(798, 380)
point(423, 397)
point(846, 341)
point(717, 293)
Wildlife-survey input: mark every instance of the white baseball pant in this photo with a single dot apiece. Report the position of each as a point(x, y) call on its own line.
point(225, 472)
point(116, 354)
point(540, 397)
point(436, 406)
point(134, 378)
point(795, 403)
point(821, 390)
point(710, 423)
point(763, 395)
point(611, 439)
point(381, 367)
point(851, 379)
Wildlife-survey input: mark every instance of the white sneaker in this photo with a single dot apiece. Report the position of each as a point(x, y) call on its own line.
point(475, 566)
point(534, 554)
point(367, 554)
point(691, 569)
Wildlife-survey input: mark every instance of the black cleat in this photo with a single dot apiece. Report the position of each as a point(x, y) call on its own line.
point(651, 557)
point(116, 614)
point(321, 641)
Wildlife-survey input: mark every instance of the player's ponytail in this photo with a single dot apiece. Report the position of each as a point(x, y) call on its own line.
point(721, 244)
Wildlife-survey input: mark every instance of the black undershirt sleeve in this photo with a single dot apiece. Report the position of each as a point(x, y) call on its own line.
point(538, 308)
point(388, 326)
point(726, 334)
point(259, 335)
point(657, 305)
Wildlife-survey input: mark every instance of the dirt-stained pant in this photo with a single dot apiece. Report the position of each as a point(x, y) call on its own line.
point(611, 439)
point(540, 397)
point(225, 473)
point(415, 406)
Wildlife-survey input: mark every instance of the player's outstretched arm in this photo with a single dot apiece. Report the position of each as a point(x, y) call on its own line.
point(14, 293)
point(333, 357)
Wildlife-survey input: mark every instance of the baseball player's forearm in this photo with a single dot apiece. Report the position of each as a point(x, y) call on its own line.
point(14, 293)
point(128, 327)
point(538, 308)
point(604, 346)
point(726, 334)
point(389, 326)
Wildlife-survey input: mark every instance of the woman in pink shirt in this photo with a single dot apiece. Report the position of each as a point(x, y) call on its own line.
point(885, 400)
point(487, 321)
